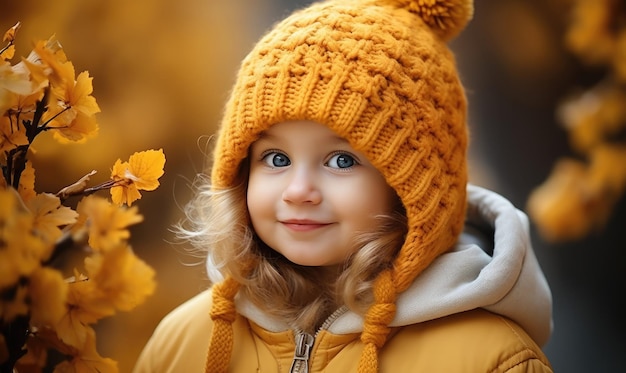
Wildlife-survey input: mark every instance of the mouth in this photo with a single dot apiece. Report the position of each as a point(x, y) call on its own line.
point(303, 225)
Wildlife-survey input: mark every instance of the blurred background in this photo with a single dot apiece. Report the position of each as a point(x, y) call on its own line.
point(162, 72)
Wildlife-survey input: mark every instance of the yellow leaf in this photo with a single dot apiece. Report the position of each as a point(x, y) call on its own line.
point(26, 103)
point(80, 96)
point(125, 280)
point(9, 35)
point(71, 329)
point(87, 304)
point(76, 188)
point(38, 73)
point(125, 194)
point(8, 53)
point(26, 188)
point(80, 228)
point(37, 347)
point(63, 87)
point(50, 53)
point(11, 265)
point(141, 172)
point(50, 216)
point(560, 206)
point(590, 35)
point(147, 167)
point(11, 136)
point(85, 308)
point(14, 81)
point(48, 294)
point(107, 223)
point(87, 360)
point(78, 130)
point(73, 108)
point(607, 172)
point(21, 252)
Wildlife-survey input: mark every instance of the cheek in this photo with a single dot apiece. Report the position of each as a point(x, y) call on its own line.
point(361, 201)
point(258, 197)
point(377, 196)
point(252, 197)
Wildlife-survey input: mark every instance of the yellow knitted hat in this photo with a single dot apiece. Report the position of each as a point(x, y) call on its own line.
point(380, 75)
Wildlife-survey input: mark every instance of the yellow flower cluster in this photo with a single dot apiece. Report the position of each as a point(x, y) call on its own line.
point(41, 308)
point(578, 197)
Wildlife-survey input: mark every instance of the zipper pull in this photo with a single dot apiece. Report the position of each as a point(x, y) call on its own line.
point(304, 344)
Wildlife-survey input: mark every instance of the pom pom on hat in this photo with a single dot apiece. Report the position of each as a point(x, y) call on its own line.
point(445, 17)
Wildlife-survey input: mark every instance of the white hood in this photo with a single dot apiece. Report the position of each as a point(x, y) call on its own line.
point(508, 282)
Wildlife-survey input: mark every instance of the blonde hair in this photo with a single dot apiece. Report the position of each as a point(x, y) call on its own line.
point(217, 224)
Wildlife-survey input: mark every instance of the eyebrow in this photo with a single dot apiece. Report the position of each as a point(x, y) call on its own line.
point(265, 136)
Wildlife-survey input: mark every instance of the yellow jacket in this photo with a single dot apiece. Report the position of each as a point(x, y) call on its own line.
point(471, 341)
point(484, 306)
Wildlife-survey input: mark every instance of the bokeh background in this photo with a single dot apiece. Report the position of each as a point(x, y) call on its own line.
point(162, 72)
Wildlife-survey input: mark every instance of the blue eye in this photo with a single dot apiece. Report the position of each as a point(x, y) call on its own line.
point(341, 160)
point(275, 159)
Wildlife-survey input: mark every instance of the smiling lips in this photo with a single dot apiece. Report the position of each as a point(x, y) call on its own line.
point(303, 225)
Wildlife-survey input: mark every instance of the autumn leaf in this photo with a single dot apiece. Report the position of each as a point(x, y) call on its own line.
point(37, 72)
point(77, 94)
point(8, 52)
point(123, 278)
point(106, 224)
point(10, 136)
point(86, 307)
point(37, 347)
point(26, 189)
point(87, 360)
point(12, 83)
point(74, 113)
point(50, 53)
point(25, 104)
point(71, 330)
point(141, 172)
point(14, 80)
point(9, 35)
point(50, 216)
point(79, 130)
point(77, 187)
point(21, 251)
point(48, 293)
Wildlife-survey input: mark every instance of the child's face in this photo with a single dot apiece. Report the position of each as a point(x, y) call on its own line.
point(310, 192)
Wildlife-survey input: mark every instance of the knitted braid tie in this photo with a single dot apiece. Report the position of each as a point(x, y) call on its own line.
point(223, 314)
point(377, 319)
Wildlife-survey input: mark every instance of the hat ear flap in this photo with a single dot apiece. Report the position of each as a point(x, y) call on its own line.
point(447, 18)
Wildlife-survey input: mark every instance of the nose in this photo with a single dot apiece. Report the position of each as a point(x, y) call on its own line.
point(302, 188)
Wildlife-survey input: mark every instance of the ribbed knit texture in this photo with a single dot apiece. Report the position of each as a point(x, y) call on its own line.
point(223, 313)
point(379, 74)
point(377, 319)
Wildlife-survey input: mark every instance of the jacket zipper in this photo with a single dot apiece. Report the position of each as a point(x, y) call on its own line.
point(304, 345)
point(305, 341)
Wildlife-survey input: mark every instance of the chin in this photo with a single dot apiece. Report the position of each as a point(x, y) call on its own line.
point(304, 261)
point(310, 262)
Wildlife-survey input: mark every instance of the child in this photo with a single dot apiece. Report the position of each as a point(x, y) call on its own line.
point(338, 220)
